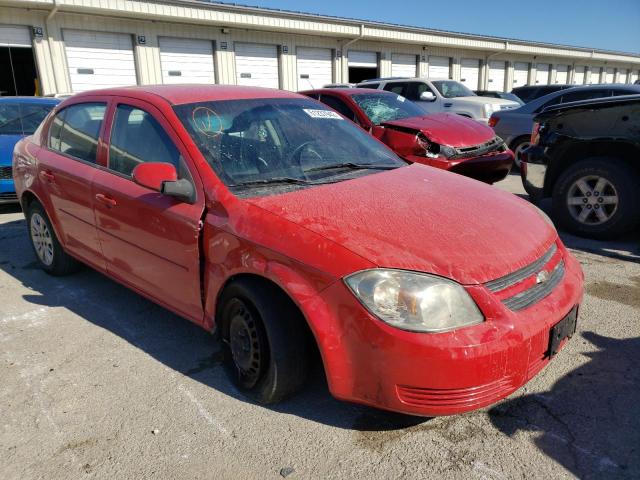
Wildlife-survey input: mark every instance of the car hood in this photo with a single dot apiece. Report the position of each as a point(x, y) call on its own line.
point(423, 219)
point(447, 129)
point(7, 142)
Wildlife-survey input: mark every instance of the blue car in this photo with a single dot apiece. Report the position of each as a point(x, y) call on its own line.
point(19, 117)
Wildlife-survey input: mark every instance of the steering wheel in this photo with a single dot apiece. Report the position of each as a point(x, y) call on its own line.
point(297, 153)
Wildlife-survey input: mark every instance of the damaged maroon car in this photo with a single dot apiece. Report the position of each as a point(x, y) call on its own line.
point(442, 140)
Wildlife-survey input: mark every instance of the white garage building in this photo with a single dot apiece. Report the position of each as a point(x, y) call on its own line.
point(58, 46)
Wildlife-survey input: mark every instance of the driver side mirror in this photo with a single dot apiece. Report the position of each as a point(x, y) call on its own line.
point(163, 178)
point(427, 97)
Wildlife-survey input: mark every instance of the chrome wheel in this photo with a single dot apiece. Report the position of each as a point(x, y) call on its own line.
point(41, 238)
point(592, 200)
point(518, 151)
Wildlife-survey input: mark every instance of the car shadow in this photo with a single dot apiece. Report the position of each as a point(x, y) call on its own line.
point(177, 343)
point(589, 421)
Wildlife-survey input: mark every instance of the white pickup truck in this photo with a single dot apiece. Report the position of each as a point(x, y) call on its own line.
point(442, 95)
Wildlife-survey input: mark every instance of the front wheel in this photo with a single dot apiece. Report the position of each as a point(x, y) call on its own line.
point(51, 256)
point(265, 341)
point(598, 198)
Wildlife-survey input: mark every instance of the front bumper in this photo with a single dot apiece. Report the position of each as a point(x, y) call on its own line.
point(7, 192)
point(533, 171)
point(489, 168)
point(445, 373)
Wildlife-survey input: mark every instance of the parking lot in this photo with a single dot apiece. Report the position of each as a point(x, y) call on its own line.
point(97, 382)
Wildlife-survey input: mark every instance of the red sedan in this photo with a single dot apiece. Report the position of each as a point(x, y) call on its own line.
point(442, 140)
point(268, 218)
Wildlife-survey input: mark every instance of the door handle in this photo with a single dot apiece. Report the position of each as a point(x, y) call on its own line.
point(108, 201)
point(448, 104)
point(47, 176)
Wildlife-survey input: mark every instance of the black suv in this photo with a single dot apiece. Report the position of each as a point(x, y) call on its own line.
point(586, 155)
point(531, 92)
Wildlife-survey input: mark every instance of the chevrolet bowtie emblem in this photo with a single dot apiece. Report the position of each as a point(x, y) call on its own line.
point(542, 277)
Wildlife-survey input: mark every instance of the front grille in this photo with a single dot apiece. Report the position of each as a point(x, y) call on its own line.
point(8, 197)
point(519, 275)
point(5, 173)
point(495, 144)
point(537, 292)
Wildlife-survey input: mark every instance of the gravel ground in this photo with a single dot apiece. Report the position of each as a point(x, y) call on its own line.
point(97, 382)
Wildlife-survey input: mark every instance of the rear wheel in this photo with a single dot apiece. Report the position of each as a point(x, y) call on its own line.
point(597, 197)
point(51, 256)
point(518, 146)
point(265, 341)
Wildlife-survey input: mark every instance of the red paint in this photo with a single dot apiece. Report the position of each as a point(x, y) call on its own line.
point(306, 242)
point(440, 128)
point(152, 175)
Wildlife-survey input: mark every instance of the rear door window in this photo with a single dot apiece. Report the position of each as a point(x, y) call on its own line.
point(137, 137)
point(396, 87)
point(76, 129)
point(339, 106)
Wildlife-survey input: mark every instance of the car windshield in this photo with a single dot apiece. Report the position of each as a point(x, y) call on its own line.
point(452, 89)
point(384, 107)
point(21, 118)
point(273, 144)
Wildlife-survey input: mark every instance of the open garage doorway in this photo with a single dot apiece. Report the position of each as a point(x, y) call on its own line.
point(18, 75)
point(362, 66)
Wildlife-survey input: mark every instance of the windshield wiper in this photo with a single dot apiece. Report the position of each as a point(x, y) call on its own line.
point(352, 166)
point(276, 180)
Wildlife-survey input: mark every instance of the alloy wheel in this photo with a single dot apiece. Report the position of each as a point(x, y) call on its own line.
point(592, 200)
point(41, 238)
point(518, 153)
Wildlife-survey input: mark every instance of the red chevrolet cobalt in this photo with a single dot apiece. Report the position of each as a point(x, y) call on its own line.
point(266, 217)
point(442, 140)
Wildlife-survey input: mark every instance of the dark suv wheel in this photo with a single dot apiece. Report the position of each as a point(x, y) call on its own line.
point(597, 197)
point(51, 256)
point(266, 341)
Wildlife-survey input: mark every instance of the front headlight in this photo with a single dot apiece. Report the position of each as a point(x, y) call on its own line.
point(413, 301)
point(488, 110)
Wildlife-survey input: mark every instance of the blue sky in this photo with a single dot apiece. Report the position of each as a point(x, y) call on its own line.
point(604, 24)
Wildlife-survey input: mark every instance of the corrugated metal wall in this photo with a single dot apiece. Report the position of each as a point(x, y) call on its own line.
point(221, 27)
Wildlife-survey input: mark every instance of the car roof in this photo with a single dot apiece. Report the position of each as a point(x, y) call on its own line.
point(347, 92)
point(190, 93)
point(34, 100)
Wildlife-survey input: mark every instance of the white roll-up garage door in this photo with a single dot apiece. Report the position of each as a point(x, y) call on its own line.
point(363, 59)
point(403, 65)
point(497, 72)
point(257, 65)
point(185, 60)
point(634, 76)
point(578, 75)
point(623, 76)
point(609, 75)
point(562, 73)
point(520, 74)
point(542, 74)
point(14, 36)
point(439, 67)
point(99, 59)
point(314, 67)
point(470, 72)
point(594, 77)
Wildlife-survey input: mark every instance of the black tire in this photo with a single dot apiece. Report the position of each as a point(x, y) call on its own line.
point(623, 183)
point(52, 257)
point(519, 142)
point(270, 361)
